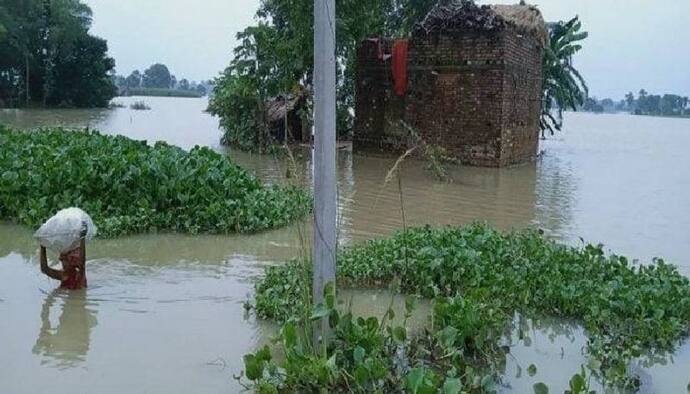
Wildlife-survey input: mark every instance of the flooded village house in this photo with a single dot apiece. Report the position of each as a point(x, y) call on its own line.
point(469, 80)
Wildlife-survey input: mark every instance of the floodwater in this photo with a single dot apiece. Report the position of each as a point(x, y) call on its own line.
point(165, 313)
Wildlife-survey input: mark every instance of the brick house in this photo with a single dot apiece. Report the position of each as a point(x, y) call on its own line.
point(473, 85)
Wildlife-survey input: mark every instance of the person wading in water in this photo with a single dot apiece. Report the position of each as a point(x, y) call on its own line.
point(73, 274)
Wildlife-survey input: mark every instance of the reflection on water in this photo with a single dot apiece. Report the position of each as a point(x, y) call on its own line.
point(370, 208)
point(614, 179)
point(66, 342)
point(169, 306)
point(160, 329)
point(556, 347)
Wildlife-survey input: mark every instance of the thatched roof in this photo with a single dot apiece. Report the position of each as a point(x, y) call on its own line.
point(456, 16)
point(526, 18)
point(275, 108)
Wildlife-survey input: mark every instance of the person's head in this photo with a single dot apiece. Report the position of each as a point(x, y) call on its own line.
point(71, 260)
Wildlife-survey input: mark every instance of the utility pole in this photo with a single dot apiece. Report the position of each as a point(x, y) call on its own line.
point(324, 156)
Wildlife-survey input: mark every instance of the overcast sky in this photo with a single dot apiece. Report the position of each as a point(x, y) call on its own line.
point(632, 44)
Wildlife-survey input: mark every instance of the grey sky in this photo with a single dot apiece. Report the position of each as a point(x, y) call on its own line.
point(632, 44)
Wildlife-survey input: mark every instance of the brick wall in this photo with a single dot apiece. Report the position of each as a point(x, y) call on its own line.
point(476, 95)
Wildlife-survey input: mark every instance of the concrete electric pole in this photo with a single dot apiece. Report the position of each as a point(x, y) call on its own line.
point(324, 155)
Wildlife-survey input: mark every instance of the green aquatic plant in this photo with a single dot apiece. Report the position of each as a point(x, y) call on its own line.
point(128, 186)
point(139, 106)
point(540, 388)
point(376, 355)
point(627, 309)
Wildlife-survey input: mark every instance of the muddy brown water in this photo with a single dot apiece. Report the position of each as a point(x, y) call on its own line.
point(164, 312)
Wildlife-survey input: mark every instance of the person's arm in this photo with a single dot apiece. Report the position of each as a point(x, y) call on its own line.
point(52, 273)
point(82, 248)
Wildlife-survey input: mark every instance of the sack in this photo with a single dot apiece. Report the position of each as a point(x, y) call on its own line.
point(62, 232)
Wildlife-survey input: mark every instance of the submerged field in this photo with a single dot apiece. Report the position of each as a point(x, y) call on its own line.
point(607, 178)
point(478, 279)
point(128, 186)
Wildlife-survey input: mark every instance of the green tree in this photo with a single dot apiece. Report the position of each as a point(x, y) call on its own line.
point(133, 81)
point(184, 84)
point(20, 48)
point(39, 35)
point(83, 75)
point(275, 57)
point(630, 101)
point(564, 87)
point(156, 76)
point(608, 104)
point(669, 104)
point(119, 81)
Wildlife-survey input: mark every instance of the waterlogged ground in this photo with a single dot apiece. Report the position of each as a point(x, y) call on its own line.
point(164, 313)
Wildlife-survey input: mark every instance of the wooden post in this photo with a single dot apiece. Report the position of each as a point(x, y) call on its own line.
point(324, 157)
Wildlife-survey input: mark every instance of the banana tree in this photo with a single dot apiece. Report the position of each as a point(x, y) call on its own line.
point(564, 87)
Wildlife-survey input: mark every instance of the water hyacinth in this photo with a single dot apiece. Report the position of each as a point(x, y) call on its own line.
point(128, 186)
point(627, 309)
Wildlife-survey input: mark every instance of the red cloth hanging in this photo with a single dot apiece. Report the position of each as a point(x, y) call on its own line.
point(399, 67)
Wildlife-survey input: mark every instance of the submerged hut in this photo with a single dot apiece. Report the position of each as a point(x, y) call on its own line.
point(285, 118)
point(469, 79)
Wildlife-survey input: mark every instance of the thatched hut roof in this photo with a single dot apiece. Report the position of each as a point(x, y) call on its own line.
point(456, 16)
point(275, 108)
point(526, 18)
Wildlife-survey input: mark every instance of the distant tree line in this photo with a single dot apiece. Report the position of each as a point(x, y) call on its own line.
point(159, 81)
point(48, 57)
point(644, 104)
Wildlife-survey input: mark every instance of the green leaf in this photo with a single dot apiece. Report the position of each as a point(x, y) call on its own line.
point(391, 314)
point(358, 354)
point(415, 380)
point(320, 312)
point(577, 384)
point(532, 370)
point(410, 304)
point(254, 367)
point(361, 374)
point(488, 384)
point(264, 354)
point(540, 388)
point(399, 334)
point(452, 386)
point(329, 295)
point(447, 337)
point(331, 363)
point(10, 176)
point(290, 335)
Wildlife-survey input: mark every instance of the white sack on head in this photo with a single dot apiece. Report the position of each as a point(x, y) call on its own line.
point(62, 232)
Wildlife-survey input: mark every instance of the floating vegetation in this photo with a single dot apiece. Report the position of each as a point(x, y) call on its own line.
point(115, 104)
point(139, 106)
point(129, 187)
point(160, 92)
point(478, 278)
